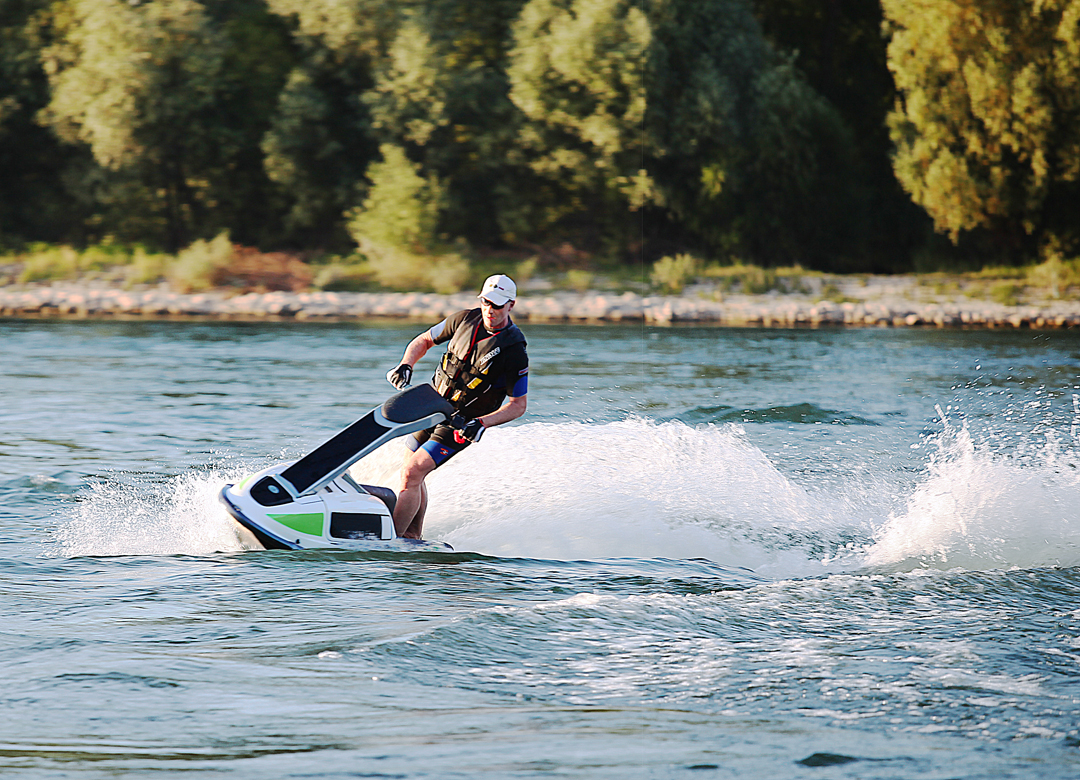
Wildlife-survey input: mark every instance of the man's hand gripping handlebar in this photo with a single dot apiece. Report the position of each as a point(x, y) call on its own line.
point(466, 429)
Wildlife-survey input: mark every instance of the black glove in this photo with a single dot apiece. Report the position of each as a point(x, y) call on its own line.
point(400, 377)
point(472, 430)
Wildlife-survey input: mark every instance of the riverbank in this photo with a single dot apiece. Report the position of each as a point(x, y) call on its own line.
point(864, 301)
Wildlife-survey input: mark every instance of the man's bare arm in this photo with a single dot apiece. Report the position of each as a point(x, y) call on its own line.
point(511, 410)
point(417, 348)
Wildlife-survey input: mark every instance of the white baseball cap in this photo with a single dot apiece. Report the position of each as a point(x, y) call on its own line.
point(499, 289)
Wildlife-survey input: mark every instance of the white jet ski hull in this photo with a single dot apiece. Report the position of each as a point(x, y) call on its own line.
point(337, 515)
point(313, 503)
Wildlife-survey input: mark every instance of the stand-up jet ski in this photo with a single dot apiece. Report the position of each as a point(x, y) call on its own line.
point(314, 502)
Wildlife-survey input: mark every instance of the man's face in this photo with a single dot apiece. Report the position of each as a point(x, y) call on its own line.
point(495, 318)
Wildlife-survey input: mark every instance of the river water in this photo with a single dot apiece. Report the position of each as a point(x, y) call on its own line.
point(703, 553)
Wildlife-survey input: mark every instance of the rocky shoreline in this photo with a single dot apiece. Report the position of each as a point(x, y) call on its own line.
point(855, 302)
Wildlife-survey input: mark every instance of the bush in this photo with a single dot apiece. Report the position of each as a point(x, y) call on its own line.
point(397, 268)
point(524, 271)
point(98, 257)
point(579, 279)
point(146, 268)
point(46, 263)
point(757, 281)
point(1056, 274)
point(1000, 272)
point(1007, 293)
point(754, 280)
point(400, 269)
point(672, 273)
point(750, 279)
point(448, 273)
point(834, 294)
point(349, 275)
point(201, 265)
point(52, 263)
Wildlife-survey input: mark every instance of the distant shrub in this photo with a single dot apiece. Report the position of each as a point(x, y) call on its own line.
point(1006, 293)
point(579, 279)
point(146, 267)
point(794, 283)
point(1055, 274)
point(448, 273)
point(250, 269)
point(748, 279)
point(525, 270)
point(42, 262)
point(946, 288)
point(757, 281)
point(397, 268)
point(344, 275)
point(1000, 272)
point(754, 280)
point(201, 265)
point(672, 273)
point(98, 257)
point(45, 263)
point(830, 292)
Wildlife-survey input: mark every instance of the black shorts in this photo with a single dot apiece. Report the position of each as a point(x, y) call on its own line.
point(438, 442)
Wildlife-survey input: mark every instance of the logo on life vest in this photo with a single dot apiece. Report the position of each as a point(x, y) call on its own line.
point(490, 355)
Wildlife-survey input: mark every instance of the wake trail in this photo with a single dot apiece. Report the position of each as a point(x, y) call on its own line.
point(643, 489)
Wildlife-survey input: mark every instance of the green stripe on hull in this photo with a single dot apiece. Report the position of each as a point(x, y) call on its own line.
point(308, 523)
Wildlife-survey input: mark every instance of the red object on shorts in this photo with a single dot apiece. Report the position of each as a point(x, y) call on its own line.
point(459, 438)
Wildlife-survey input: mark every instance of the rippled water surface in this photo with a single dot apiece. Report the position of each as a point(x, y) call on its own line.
point(703, 553)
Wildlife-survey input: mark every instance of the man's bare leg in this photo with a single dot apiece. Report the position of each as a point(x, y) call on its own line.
point(416, 527)
point(412, 495)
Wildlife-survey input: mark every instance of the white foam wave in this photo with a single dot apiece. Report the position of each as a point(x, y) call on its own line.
point(632, 489)
point(178, 516)
point(981, 509)
point(643, 489)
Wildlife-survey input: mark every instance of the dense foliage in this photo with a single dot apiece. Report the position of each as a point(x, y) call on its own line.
point(987, 127)
point(835, 135)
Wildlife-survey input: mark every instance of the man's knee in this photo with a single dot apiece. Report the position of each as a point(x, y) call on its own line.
point(416, 468)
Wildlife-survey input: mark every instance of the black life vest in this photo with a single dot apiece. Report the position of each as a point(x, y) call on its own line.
point(472, 364)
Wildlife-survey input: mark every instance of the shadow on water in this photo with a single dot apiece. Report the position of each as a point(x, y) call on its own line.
point(804, 414)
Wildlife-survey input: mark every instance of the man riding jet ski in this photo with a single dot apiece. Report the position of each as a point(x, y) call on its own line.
point(484, 375)
point(481, 381)
point(313, 502)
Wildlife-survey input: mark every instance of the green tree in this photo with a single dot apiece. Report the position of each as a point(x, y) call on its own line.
point(34, 204)
point(259, 54)
point(441, 93)
point(702, 69)
point(316, 149)
point(351, 30)
point(748, 159)
point(799, 199)
point(409, 97)
point(396, 227)
point(402, 207)
point(839, 49)
point(168, 98)
point(576, 74)
point(133, 82)
point(987, 123)
point(428, 77)
point(320, 139)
